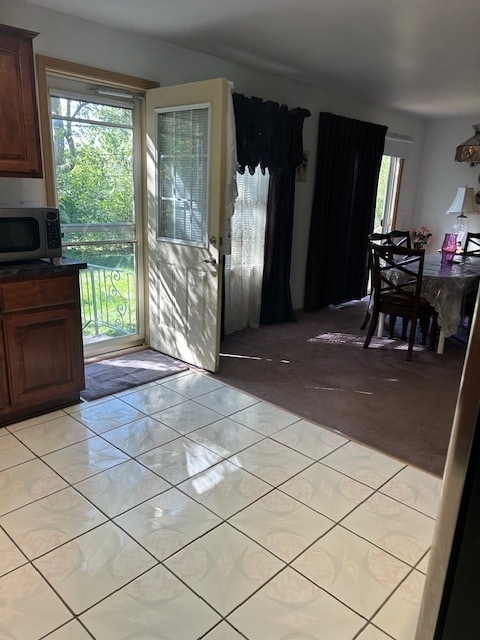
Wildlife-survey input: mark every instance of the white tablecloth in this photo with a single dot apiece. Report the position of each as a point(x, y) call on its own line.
point(445, 285)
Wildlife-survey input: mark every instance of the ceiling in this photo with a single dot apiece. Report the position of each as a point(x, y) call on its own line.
point(418, 56)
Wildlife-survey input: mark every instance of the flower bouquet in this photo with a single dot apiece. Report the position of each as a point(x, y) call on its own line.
point(420, 237)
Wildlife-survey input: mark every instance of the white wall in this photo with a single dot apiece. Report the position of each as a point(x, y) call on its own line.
point(84, 42)
point(440, 176)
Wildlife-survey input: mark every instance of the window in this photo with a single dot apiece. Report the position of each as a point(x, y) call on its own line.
point(93, 154)
point(182, 176)
point(387, 194)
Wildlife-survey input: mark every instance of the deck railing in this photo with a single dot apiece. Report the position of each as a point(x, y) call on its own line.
point(108, 302)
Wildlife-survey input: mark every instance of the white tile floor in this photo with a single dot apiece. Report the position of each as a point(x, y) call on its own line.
point(186, 509)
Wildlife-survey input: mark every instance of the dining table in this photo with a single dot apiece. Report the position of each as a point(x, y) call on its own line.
point(444, 285)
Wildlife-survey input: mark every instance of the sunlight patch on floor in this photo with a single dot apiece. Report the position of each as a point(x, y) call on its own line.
point(324, 388)
point(376, 343)
point(240, 357)
point(336, 338)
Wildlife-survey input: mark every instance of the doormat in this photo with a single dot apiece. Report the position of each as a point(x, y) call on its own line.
point(124, 372)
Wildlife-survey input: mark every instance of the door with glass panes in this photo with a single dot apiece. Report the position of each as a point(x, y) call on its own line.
point(186, 154)
point(95, 136)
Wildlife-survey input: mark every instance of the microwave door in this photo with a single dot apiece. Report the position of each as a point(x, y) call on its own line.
point(19, 235)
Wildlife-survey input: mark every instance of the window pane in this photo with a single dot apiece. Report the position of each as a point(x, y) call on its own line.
point(92, 111)
point(108, 297)
point(387, 190)
point(183, 175)
point(94, 147)
point(93, 164)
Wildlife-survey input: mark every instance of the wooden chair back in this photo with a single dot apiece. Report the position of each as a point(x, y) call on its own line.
point(380, 238)
point(472, 244)
point(394, 238)
point(397, 274)
point(401, 238)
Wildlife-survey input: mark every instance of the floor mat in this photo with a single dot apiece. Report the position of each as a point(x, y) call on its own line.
point(124, 372)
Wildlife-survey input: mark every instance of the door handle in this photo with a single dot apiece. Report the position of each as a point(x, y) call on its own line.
point(210, 261)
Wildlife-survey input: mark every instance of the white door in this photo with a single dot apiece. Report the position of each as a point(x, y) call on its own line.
point(185, 190)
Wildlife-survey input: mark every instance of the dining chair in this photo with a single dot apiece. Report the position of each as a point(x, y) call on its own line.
point(400, 239)
point(396, 283)
point(470, 249)
point(472, 244)
point(381, 238)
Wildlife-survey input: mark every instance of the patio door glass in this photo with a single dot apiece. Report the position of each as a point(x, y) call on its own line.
point(387, 194)
point(94, 142)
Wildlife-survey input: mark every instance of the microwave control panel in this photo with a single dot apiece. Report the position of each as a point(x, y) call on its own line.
point(52, 228)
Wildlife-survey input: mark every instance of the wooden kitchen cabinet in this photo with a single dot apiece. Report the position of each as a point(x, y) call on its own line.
point(4, 396)
point(20, 151)
point(41, 343)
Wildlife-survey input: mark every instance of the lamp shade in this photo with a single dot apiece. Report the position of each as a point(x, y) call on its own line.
point(464, 202)
point(469, 151)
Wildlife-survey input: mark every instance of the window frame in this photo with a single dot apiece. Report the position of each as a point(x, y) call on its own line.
point(52, 66)
point(48, 68)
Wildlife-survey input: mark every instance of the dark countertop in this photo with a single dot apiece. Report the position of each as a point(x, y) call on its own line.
point(32, 268)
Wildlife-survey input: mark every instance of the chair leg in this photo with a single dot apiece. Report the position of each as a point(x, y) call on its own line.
point(371, 328)
point(391, 326)
point(365, 320)
point(411, 339)
point(434, 330)
point(424, 319)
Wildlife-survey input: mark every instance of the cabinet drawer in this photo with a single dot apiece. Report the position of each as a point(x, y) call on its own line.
point(44, 292)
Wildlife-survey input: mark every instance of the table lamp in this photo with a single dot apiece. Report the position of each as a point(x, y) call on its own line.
point(463, 203)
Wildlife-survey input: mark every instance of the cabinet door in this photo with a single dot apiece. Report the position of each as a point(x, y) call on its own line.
point(44, 355)
point(20, 154)
point(4, 396)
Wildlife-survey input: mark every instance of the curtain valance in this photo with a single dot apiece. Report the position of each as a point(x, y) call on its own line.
point(269, 135)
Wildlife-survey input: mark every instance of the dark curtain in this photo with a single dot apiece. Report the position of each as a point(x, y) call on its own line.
point(349, 155)
point(276, 297)
point(269, 136)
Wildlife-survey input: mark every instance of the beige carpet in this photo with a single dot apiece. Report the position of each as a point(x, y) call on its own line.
point(318, 369)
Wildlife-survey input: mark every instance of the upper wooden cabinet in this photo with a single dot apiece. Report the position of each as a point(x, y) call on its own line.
point(20, 154)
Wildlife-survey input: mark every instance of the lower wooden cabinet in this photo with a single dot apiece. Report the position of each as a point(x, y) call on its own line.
point(4, 395)
point(41, 349)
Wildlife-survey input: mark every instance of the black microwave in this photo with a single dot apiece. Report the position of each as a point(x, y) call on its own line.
point(29, 234)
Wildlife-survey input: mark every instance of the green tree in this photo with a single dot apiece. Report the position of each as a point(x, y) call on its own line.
point(381, 193)
point(93, 162)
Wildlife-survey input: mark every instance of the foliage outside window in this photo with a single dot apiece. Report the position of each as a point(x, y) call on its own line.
point(93, 163)
point(93, 151)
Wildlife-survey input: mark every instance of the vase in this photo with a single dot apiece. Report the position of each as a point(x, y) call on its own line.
point(418, 245)
point(449, 247)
